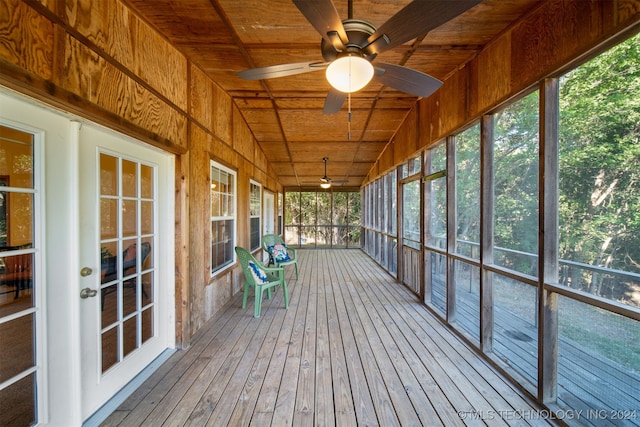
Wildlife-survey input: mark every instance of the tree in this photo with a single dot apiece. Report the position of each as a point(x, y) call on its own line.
point(599, 176)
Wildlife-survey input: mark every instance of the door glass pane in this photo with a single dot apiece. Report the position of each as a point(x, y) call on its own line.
point(130, 331)
point(146, 217)
point(127, 262)
point(109, 348)
point(146, 182)
point(129, 179)
point(109, 216)
point(129, 217)
point(16, 338)
point(17, 405)
point(147, 324)
point(18, 365)
point(108, 175)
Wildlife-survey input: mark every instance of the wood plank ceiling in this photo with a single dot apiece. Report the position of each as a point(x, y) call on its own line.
point(285, 114)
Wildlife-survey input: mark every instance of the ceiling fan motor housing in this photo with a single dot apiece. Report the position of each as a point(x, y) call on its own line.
point(358, 31)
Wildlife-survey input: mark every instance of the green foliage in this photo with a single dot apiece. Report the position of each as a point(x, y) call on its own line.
point(516, 184)
point(324, 218)
point(599, 157)
point(468, 188)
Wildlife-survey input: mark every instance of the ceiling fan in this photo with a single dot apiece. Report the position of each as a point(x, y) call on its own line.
point(325, 181)
point(348, 48)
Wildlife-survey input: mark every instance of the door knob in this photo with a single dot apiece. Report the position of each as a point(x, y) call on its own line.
point(88, 293)
point(86, 271)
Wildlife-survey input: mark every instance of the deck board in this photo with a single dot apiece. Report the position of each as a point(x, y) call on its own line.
point(354, 348)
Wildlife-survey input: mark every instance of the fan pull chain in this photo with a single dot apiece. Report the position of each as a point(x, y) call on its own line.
point(349, 117)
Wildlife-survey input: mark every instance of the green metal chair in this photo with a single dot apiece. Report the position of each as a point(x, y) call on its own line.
point(279, 254)
point(261, 278)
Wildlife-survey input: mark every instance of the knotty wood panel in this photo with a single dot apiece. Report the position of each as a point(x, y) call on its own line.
point(222, 113)
point(243, 141)
point(27, 39)
point(124, 37)
point(224, 153)
point(93, 78)
point(259, 159)
point(201, 98)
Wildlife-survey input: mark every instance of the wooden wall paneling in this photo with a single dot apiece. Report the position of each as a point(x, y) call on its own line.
point(150, 112)
point(182, 252)
point(488, 89)
point(627, 11)
point(551, 36)
point(259, 159)
point(222, 152)
point(27, 39)
point(50, 4)
point(387, 159)
point(201, 106)
point(244, 176)
point(199, 225)
point(130, 42)
point(93, 78)
point(405, 141)
point(222, 114)
point(453, 107)
point(425, 130)
point(107, 24)
point(243, 141)
point(158, 63)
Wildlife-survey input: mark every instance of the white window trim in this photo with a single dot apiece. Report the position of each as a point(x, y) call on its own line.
point(259, 215)
point(233, 173)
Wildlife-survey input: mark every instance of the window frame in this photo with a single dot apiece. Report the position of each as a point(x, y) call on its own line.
point(231, 216)
point(255, 212)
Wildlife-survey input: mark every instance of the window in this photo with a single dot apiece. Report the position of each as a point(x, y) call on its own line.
point(323, 219)
point(223, 216)
point(255, 210)
point(279, 209)
point(467, 181)
point(515, 166)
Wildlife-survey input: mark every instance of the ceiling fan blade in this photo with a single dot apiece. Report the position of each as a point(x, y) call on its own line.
point(407, 80)
point(415, 19)
point(322, 14)
point(281, 70)
point(334, 101)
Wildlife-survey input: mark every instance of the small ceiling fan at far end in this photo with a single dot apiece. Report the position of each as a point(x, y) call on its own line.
point(325, 181)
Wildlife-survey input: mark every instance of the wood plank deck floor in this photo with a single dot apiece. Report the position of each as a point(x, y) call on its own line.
point(354, 348)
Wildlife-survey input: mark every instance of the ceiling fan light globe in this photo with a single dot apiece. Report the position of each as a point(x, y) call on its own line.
point(349, 73)
point(325, 185)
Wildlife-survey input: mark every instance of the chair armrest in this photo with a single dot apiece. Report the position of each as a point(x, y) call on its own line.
point(278, 270)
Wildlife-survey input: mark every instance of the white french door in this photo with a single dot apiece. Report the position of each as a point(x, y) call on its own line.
point(124, 230)
point(73, 196)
